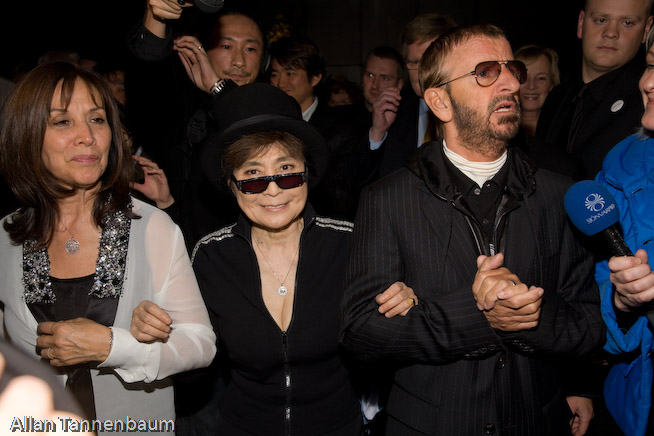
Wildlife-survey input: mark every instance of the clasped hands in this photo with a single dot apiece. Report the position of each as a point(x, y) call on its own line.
point(74, 341)
point(508, 304)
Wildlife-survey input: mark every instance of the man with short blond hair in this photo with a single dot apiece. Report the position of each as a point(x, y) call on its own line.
point(588, 115)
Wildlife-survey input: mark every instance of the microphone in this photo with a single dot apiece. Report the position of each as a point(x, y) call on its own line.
point(593, 210)
point(208, 6)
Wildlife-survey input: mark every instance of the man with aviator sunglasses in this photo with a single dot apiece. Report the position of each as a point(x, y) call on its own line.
point(487, 72)
point(481, 236)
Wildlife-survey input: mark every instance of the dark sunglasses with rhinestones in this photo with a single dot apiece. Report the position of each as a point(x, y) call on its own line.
point(486, 73)
point(260, 184)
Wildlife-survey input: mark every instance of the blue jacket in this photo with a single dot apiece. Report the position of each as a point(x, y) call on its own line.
point(628, 172)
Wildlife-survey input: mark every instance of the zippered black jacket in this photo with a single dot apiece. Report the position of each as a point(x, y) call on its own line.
point(282, 382)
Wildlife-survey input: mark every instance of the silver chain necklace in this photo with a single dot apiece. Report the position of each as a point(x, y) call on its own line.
point(282, 290)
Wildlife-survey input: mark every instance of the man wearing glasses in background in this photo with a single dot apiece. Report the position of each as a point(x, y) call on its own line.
point(384, 68)
point(506, 293)
point(399, 128)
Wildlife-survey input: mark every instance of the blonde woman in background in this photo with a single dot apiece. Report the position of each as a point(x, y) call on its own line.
point(542, 76)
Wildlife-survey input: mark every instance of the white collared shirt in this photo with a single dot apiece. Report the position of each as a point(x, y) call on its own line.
point(306, 115)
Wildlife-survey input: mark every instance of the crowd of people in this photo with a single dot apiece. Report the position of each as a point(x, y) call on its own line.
point(269, 249)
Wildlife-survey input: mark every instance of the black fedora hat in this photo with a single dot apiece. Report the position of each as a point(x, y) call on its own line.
point(259, 107)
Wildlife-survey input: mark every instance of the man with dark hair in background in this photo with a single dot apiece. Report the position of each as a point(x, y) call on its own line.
point(175, 86)
point(298, 68)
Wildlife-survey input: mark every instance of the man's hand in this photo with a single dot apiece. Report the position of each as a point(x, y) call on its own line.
point(196, 62)
point(520, 312)
point(508, 304)
point(493, 281)
point(157, 12)
point(384, 112)
point(633, 280)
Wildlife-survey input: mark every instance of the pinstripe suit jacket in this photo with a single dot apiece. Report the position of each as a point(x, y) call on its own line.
point(457, 375)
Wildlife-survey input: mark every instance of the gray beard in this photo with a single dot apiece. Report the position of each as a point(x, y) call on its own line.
point(477, 133)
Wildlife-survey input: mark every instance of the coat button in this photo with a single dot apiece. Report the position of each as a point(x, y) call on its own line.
point(489, 429)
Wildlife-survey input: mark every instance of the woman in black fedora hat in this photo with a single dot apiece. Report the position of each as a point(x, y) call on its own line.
point(272, 281)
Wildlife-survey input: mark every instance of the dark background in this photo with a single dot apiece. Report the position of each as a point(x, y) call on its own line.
point(343, 29)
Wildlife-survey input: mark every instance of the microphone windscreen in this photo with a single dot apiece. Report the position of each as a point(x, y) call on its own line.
point(209, 6)
point(591, 207)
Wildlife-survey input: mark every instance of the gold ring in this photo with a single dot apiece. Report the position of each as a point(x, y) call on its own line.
point(513, 283)
point(200, 47)
point(413, 301)
point(49, 353)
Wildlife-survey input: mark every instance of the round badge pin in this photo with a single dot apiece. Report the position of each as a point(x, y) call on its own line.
point(617, 105)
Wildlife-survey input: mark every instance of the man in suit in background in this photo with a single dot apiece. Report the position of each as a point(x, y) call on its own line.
point(505, 290)
point(384, 68)
point(588, 115)
point(400, 118)
point(382, 80)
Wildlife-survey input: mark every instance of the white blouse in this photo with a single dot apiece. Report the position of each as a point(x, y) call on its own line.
point(132, 383)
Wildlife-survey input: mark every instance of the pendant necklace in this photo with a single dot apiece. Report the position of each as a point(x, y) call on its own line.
point(282, 290)
point(72, 245)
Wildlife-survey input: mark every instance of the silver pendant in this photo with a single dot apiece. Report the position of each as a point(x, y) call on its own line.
point(282, 290)
point(72, 245)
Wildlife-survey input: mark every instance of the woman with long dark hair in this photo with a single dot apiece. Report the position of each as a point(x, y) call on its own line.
point(80, 254)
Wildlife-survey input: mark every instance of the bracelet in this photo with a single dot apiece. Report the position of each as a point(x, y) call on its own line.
point(217, 87)
point(111, 338)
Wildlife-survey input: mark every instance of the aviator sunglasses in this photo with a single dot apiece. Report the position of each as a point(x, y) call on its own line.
point(486, 73)
point(260, 184)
